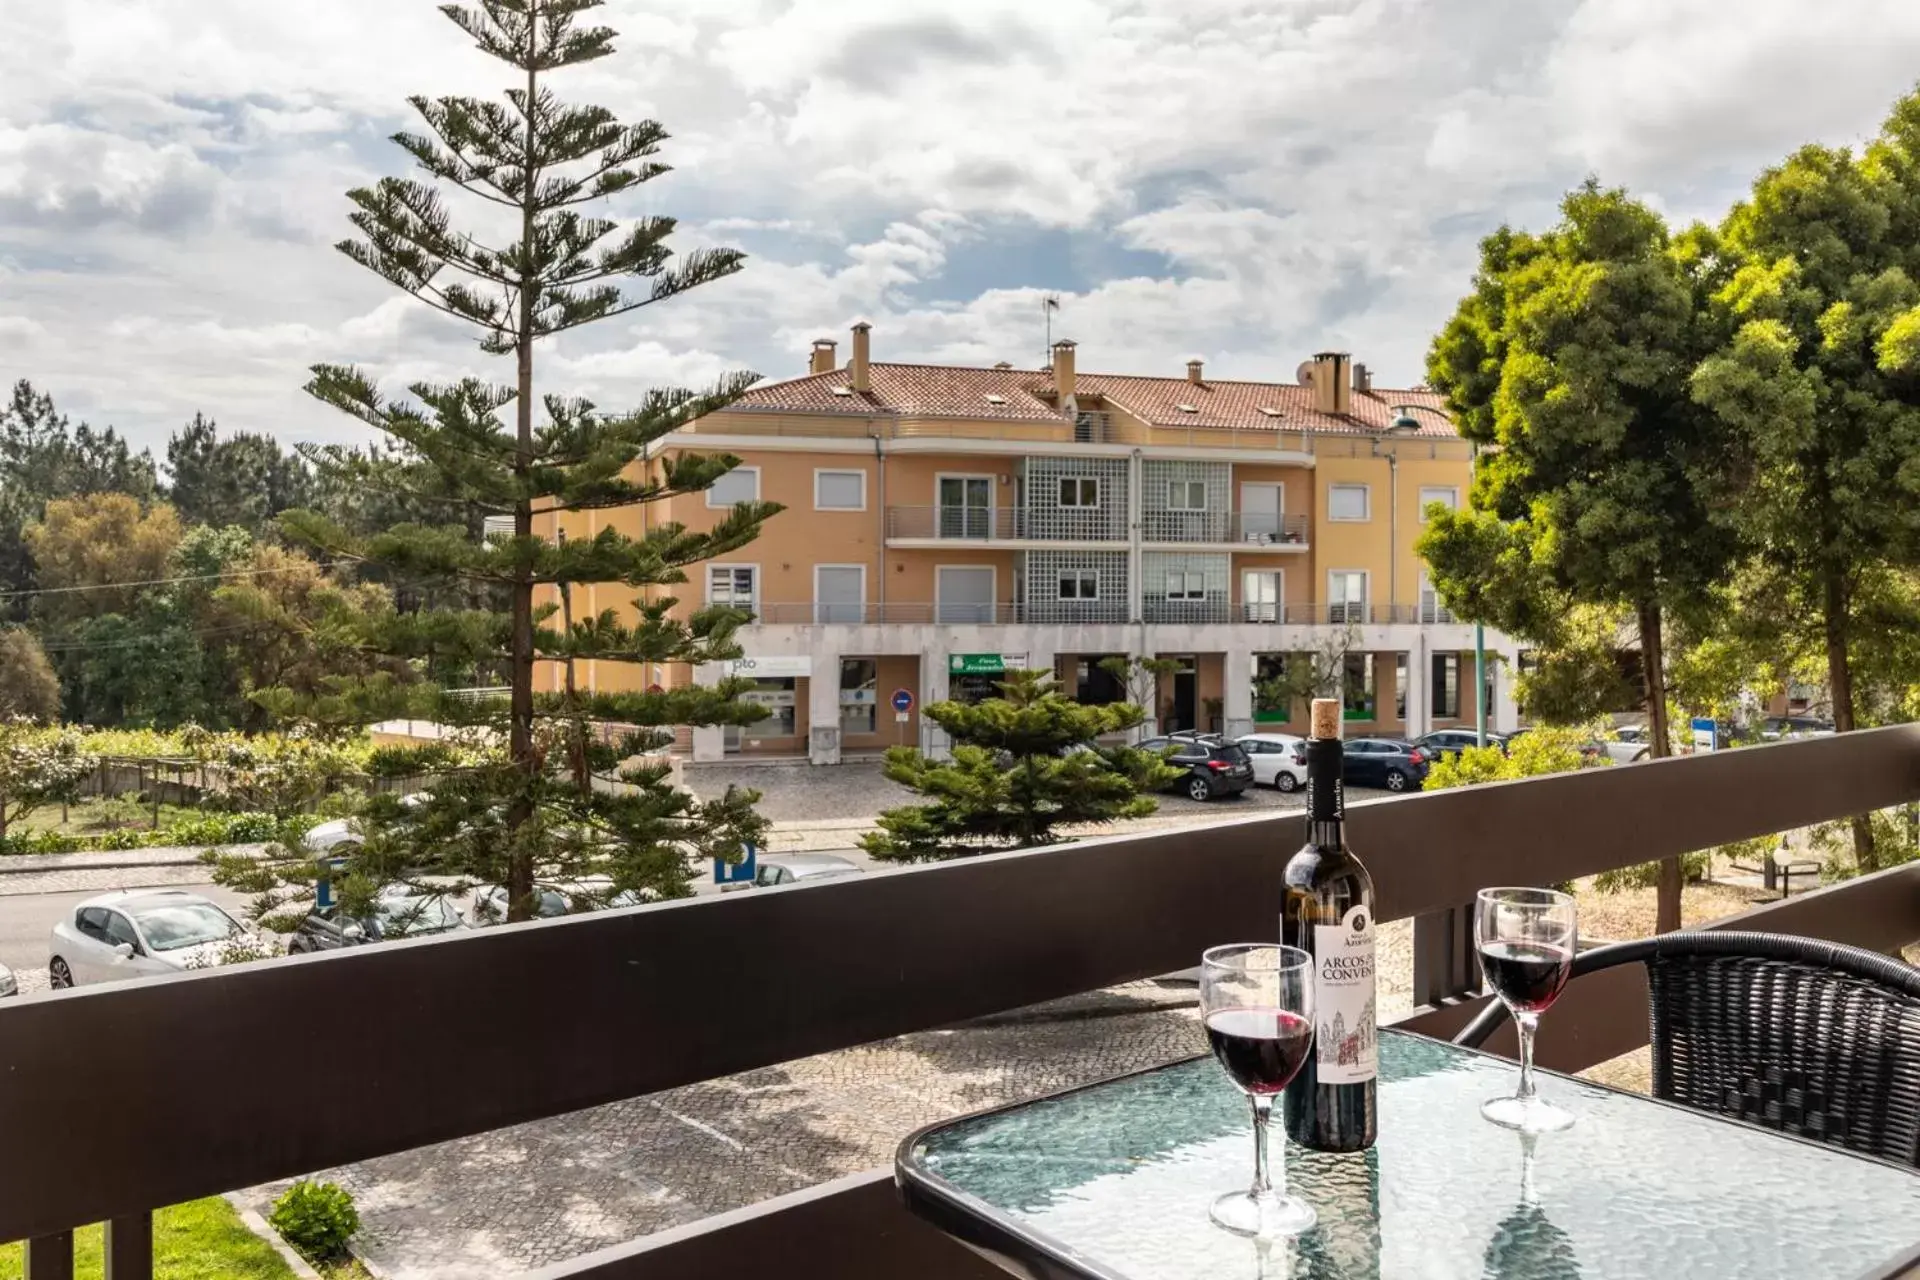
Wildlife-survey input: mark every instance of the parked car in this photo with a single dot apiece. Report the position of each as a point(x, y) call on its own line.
point(140, 933)
point(771, 869)
point(1278, 759)
point(9, 985)
point(400, 913)
point(1451, 742)
point(1207, 770)
point(341, 836)
point(1393, 763)
point(1786, 728)
point(559, 898)
point(1629, 743)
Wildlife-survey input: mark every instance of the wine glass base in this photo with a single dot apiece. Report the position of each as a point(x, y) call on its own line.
point(1263, 1217)
point(1526, 1115)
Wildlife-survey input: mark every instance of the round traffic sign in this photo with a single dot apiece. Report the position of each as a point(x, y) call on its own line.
point(903, 700)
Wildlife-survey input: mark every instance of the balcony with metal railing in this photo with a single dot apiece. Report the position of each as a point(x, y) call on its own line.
point(1240, 530)
point(1006, 525)
point(119, 1098)
point(1154, 609)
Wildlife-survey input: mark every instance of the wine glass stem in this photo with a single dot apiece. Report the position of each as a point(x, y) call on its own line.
point(1263, 1188)
point(1527, 1023)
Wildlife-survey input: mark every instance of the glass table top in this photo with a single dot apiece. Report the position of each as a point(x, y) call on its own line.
point(1114, 1182)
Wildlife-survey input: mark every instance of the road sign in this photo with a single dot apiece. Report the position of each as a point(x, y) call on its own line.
point(984, 664)
point(903, 700)
point(741, 872)
point(1706, 734)
point(323, 888)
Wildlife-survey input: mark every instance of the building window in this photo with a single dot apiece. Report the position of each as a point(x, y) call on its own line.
point(742, 484)
point(1446, 685)
point(1079, 584)
point(839, 491)
point(1356, 686)
point(839, 593)
point(781, 698)
point(1349, 502)
point(1261, 591)
point(1186, 584)
point(1079, 491)
point(1186, 495)
point(1446, 496)
point(859, 694)
point(737, 585)
point(1346, 596)
point(1432, 609)
point(1400, 687)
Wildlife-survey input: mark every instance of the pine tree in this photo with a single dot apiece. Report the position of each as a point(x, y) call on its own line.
point(1023, 764)
point(517, 817)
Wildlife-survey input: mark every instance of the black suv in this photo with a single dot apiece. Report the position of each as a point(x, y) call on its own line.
point(1207, 769)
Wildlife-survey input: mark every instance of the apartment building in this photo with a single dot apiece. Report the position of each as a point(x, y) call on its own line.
point(944, 524)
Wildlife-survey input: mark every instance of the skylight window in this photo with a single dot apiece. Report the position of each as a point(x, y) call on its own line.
point(1186, 408)
point(1270, 411)
point(843, 391)
point(995, 399)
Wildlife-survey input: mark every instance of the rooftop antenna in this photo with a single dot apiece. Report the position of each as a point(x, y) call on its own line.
point(1049, 305)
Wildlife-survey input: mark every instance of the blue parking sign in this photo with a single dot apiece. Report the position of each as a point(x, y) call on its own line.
point(741, 872)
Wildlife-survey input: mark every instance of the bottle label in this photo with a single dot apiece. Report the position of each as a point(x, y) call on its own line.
point(1346, 1035)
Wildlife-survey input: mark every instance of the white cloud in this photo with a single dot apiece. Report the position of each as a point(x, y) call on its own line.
point(1246, 180)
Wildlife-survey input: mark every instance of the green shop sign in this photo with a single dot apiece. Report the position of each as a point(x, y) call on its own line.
point(984, 664)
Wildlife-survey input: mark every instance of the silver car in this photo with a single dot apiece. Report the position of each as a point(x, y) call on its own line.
point(801, 868)
point(142, 933)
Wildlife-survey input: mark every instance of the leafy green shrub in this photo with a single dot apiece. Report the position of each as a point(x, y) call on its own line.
point(317, 1218)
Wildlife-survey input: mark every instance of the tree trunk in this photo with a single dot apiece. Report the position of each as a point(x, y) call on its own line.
point(1653, 664)
point(520, 668)
point(576, 723)
point(1838, 605)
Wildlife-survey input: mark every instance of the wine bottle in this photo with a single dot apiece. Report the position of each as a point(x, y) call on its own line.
point(1333, 1104)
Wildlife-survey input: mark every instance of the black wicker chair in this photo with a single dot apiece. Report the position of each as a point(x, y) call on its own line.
point(1810, 1038)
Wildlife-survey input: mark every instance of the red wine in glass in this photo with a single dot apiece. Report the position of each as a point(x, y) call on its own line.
point(1529, 976)
point(1261, 1049)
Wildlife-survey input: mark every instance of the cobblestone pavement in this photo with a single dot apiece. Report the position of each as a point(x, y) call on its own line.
point(539, 1193)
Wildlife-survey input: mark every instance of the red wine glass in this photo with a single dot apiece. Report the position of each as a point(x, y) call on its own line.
point(1526, 942)
point(1257, 1000)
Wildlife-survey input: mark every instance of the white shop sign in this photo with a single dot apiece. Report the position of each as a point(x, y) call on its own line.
point(772, 668)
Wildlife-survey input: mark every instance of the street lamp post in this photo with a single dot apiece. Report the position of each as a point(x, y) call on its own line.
point(1403, 420)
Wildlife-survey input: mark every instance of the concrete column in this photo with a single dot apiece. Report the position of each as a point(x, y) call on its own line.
point(1237, 693)
point(1419, 697)
point(1506, 711)
point(934, 687)
point(823, 708)
point(709, 741)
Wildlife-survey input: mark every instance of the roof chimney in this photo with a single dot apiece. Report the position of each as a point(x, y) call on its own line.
point(1193, 371)
point(1331, 391)
point(822, 361)
point(1063, 375)
point(1362, 379)
point(862, 351)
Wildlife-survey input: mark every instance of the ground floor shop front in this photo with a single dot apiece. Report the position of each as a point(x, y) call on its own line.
point(825, 703)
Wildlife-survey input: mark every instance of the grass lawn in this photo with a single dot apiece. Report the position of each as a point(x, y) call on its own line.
point(91, 817)
point(201, 1240)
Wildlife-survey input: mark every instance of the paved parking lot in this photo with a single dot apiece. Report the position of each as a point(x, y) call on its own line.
point(853, 793)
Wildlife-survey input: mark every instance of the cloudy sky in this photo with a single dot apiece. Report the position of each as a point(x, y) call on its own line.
point(1242, 180)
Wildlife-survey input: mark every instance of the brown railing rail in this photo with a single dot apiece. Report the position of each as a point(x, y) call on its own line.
point(205, 1083)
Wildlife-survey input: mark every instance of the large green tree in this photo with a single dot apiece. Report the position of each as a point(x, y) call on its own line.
point(1601, 481)
point(245, 479)
point(1818, 372)
point(1023, 765)
point(473, 447)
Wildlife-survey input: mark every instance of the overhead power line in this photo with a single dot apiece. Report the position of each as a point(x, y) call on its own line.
point(147, 582)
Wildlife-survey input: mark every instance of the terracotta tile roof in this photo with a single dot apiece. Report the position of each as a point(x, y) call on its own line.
point(1027, 395)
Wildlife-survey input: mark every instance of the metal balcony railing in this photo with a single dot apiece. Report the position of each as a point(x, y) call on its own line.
point(961, 940)
point(1005, 524)
point(1152, 609)
point(1243, 530)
